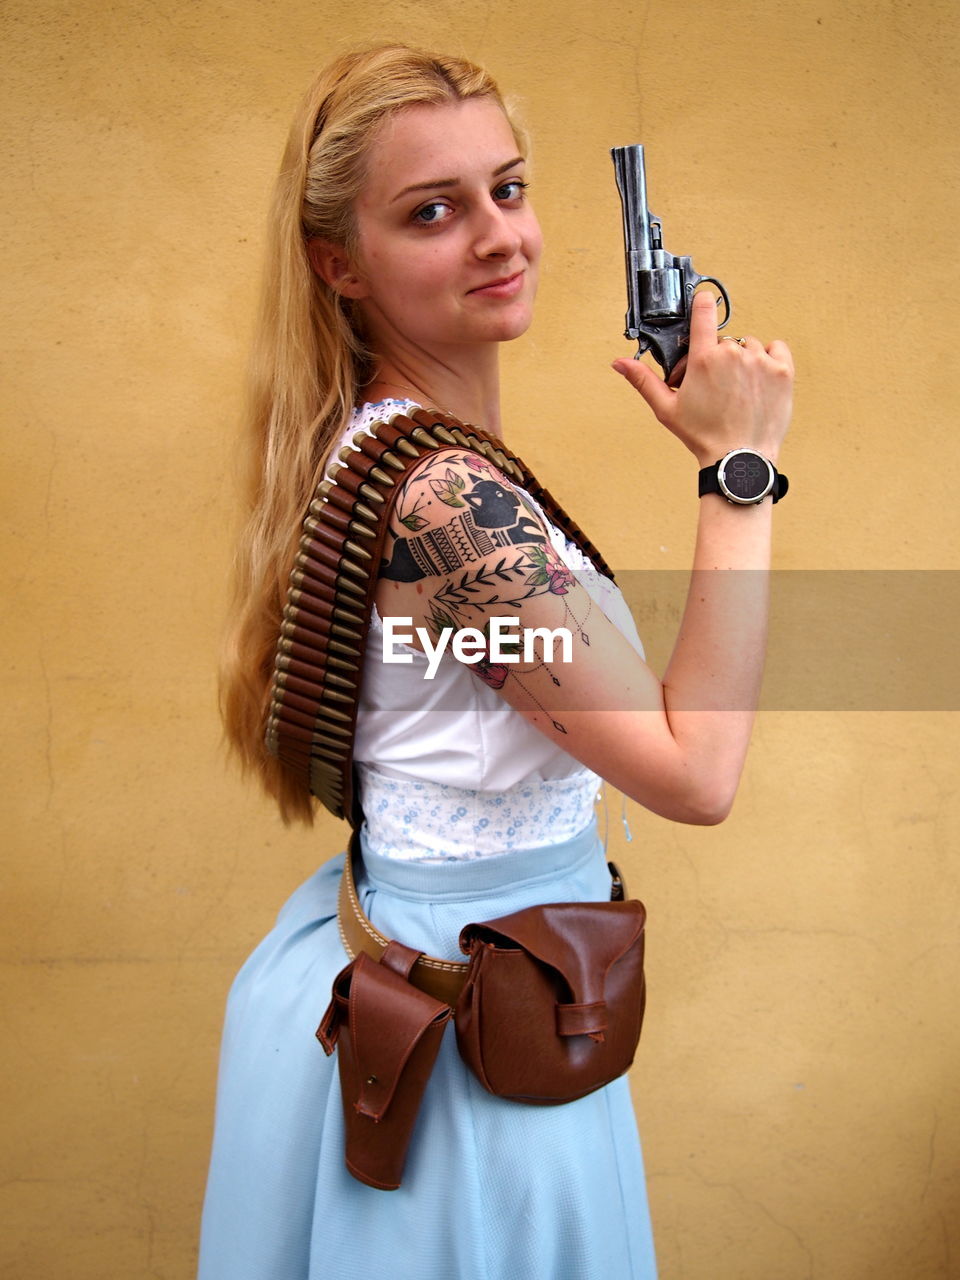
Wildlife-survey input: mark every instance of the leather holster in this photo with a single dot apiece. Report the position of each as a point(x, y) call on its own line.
point(388, 1034)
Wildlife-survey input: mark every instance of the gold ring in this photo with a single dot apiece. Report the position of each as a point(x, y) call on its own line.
point(726, 337)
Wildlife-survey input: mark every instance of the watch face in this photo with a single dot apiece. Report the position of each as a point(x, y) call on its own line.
point(745, 476)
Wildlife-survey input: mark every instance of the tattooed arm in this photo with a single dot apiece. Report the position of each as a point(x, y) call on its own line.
point(465, 548)
point(473, 545)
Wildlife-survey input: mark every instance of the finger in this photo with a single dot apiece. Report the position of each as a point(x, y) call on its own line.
point(642, 378)
point(778, 350)
point(750, 343)
point(703, 322)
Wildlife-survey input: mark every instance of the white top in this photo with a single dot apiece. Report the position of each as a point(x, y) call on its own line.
point(447, 768)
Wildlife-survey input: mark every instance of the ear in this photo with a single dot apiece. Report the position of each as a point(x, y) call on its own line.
point(332, 264)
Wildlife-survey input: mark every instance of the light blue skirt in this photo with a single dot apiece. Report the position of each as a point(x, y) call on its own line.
point(492, 1190)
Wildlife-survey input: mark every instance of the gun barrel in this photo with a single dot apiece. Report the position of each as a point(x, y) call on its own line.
point(632, 185)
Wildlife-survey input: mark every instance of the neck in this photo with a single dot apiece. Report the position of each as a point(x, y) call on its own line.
point(469, 389)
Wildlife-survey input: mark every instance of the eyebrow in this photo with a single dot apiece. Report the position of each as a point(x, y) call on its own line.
point(440, 183)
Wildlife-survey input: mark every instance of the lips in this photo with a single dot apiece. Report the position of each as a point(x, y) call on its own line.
point(504, 287)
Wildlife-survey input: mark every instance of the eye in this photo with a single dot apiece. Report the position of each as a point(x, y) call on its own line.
point(510, 192)
point(430, 214)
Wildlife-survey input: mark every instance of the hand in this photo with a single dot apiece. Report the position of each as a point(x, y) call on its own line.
point(731, 396)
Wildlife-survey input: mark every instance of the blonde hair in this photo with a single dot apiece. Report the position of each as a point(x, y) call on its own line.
point(308, 361)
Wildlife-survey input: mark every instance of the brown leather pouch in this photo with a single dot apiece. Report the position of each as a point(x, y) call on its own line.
point(554, 998)
point(389, 1035)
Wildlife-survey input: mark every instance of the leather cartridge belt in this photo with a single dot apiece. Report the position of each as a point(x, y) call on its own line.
point(315, 690)
point(442, 979)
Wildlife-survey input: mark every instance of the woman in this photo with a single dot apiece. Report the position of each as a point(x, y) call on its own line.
point(404, 252)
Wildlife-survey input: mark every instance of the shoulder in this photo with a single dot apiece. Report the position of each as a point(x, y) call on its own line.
point(455, 486)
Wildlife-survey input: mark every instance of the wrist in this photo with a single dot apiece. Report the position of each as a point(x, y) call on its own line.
point(708, 455)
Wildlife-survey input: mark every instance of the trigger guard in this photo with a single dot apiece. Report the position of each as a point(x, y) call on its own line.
point(724, 298)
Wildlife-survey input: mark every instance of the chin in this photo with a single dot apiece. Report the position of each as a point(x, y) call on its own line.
point(508, 327)
point(516, 332)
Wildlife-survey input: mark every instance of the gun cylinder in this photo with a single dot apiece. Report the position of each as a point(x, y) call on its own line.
point(661, 293)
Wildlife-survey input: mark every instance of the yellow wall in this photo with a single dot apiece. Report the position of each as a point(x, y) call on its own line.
point(798, 1080)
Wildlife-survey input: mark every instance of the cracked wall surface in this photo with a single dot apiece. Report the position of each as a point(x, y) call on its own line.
point(797, 1082)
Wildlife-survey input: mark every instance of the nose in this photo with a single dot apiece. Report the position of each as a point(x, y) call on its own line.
point(497, 235)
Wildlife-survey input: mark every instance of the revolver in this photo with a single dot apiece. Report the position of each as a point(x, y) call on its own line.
point(660, 286)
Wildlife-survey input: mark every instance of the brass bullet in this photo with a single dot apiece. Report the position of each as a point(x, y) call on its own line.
point(392, 460)
point(335, 730)
point(344, 615)
point(337, 715)
point(355, 570)
point(344, 584)
point(347, 633)
point(337, 647)
point(341, 665)
point(361, 530)
point(339, 681)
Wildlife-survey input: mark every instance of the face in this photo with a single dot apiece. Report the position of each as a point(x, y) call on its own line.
point(448, 246)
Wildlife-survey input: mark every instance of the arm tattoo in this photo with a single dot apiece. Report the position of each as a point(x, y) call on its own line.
point(485, 515)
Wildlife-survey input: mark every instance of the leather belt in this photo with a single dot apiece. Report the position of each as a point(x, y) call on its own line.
point(442, 979)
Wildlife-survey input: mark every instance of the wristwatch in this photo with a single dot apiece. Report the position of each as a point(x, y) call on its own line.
point(745, 477)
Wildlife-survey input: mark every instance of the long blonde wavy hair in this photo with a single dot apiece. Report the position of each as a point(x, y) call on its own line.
point(308, 360)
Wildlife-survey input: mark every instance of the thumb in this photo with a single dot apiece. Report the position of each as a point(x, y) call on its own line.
point(653, 389)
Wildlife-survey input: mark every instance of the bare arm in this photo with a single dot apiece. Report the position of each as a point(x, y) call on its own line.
point(466, 549)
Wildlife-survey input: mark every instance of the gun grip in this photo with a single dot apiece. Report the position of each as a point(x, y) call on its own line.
point(676, 373)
